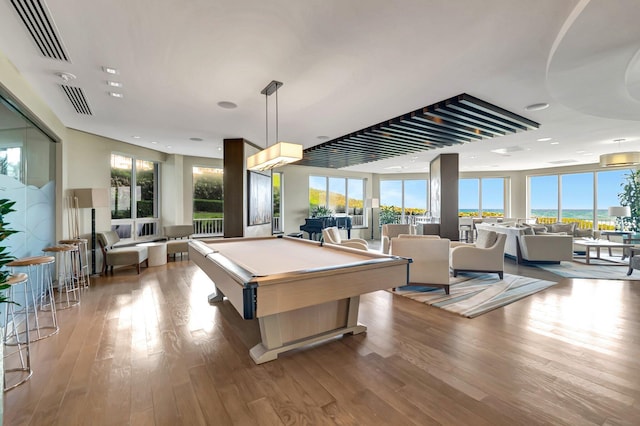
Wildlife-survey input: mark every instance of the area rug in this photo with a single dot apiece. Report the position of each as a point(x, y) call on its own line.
point(581, 270)
point(474, 294)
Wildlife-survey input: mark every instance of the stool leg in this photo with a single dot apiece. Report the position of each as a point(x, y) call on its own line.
point(25, 367)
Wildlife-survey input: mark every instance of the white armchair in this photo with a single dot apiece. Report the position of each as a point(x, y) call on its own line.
point(485, 255)
point(392, 230)
point(430, 259)
point(331, 235)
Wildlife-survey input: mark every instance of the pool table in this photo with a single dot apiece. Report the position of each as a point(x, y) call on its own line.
point(300, 291)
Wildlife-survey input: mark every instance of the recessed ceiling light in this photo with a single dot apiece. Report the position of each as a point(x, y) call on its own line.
point(537, 107)
point(110, 70)
point(580, 151)
point(544, 139)
point(114, 83)
point(227, 105)
point(136, 137)
point(322, 137)
point(154, 142)
point(169, 146)
point(554, 143)
point(116, 94)
point(66, 76)
point(219, 148)
point(196, 139)
point(393, 167)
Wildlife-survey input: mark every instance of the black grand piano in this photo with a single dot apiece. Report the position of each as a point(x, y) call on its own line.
point(315, 225)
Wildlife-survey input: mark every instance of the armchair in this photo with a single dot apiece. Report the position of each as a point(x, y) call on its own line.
point(392, 230)
point(178, 237)
point(430, 259)
point(485, 255)
point(120, 256)
point(331, 235)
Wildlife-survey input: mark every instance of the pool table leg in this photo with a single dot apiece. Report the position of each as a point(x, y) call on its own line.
point(216, 296)
point(272, 328)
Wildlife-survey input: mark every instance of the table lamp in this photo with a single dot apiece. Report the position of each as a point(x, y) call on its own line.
point(92, 198)
point(619, 212)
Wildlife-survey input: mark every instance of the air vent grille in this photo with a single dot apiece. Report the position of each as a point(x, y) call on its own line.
point(35, 16)
point(77, 99)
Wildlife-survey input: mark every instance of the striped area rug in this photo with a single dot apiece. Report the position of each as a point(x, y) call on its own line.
point(474, 294)
point(600, 271)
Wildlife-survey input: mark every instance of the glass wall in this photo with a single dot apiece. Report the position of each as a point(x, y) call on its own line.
point(27, 178)
point(469, 197)
point(576, 198)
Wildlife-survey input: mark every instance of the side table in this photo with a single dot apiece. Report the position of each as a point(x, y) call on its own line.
point(157, 253)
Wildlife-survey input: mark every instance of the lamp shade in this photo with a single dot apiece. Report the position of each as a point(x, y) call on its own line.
point(92, 197)
point(620, 211)
point(617, 159)
point(275, 156)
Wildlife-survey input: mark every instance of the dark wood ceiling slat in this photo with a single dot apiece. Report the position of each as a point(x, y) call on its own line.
point(458, 120)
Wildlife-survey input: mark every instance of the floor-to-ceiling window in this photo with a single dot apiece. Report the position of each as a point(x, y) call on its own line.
point(481, 197)
point(208, 207)
point(576, 198)
point(342, 196)
point(403, 200)
point(276, 191)
point(543, 198)
point(571, 197)
point(134, 197)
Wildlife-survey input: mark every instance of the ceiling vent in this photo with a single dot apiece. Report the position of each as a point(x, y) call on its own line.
point(561, 161)
point(77, 99)
point(458, 120)
point(36, 18)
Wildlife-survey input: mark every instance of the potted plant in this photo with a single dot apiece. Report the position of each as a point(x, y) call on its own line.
point(321, 211)
point(6, 206)
point(630, 196)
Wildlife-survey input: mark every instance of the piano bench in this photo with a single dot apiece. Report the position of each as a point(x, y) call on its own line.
point(295, 234)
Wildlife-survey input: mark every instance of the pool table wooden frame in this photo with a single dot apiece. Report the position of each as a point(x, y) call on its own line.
point(301, 305)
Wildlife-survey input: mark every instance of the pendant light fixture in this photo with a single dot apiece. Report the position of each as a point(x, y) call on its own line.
point(280, 153)
point(620, 159)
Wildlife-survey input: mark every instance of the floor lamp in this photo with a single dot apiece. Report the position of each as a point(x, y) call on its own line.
point(92, 198)
point(373, 203)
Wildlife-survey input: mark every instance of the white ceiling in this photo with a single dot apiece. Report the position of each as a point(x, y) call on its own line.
point(345, 65)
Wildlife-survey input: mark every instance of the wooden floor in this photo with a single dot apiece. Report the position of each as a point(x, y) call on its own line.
point(149, 350)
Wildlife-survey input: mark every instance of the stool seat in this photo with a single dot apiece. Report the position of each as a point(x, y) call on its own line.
point(16, 279)
point(31, 260)
point(60, 248)
point(74, 241)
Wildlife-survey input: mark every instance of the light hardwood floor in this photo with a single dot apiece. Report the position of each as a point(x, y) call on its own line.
point(148, 350)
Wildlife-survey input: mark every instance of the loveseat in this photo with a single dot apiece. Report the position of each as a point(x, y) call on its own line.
point(120, 256)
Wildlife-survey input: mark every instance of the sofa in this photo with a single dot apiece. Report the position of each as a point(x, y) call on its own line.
point(120, 256)
point(525, 244)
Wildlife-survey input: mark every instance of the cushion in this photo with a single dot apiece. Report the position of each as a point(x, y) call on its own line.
point(563, 227)
point(486, 239)
point(583, 233)
point(527, 230)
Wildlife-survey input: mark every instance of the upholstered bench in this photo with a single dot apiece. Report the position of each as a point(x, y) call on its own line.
point(178, 239)
point(120, 256)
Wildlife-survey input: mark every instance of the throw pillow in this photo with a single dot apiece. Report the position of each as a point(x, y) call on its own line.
point(563, 227)
point(486, 238)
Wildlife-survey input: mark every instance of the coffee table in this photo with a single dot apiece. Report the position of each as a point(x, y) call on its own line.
point(598, 244)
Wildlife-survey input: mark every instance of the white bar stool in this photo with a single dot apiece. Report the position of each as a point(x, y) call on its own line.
point(12, 335)
point(42, 297)
point(83, 259)
point(67, 279)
